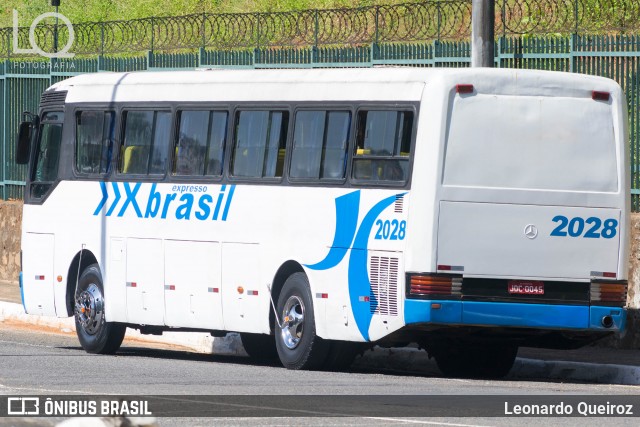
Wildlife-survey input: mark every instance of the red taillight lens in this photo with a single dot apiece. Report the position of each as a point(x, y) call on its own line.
point(600, 96)
point(464, 88)
point(609, 293)
point(440, 285)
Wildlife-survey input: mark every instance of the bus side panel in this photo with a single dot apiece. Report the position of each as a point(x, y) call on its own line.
point(115, 291)
point(38, 281)
point(192, 284)
point(243, 295)
point(145, 279)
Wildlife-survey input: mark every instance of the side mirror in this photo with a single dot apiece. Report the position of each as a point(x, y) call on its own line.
point(24, 143)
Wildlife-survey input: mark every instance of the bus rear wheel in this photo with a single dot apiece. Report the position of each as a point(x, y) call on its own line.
point(95, 334)
point(490, 361)
point(297, 344)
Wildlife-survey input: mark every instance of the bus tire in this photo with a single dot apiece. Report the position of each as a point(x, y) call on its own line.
point(95, 334)
point(490, 361)
point(259, 346)
point(297, 344)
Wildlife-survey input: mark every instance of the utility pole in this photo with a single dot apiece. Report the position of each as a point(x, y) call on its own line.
point(55, 3)
point(483, 14)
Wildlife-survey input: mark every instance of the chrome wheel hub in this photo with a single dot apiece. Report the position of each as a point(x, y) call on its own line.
point(89, 310)
point(293, 322)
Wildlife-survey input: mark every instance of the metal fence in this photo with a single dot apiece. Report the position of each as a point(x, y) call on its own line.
point(428, 34)
point(442, 20)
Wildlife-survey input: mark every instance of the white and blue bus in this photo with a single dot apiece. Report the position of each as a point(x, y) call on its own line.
point(317, 212)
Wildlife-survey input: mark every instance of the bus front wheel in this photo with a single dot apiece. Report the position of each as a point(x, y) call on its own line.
point(95, 334)
point(297, 344)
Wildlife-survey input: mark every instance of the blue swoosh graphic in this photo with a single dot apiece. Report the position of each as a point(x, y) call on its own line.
point(105, 196)
point(115, 202)
point(359, 284)
point(347, 207)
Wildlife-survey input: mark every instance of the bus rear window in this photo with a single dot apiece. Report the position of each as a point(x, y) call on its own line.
point(531, 142)
point(383, 144)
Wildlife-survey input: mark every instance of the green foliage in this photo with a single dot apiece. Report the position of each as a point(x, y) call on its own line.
point(110, 10)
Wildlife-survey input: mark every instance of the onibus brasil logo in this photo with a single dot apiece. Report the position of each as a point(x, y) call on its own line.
point(63, 53)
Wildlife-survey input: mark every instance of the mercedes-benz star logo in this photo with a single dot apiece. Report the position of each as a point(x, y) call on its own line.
point(531, 231)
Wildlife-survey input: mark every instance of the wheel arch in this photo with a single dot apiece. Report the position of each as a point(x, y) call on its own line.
point(81, 260)
point(286, 269)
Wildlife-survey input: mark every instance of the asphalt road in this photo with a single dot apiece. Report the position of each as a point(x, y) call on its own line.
point(35, 362)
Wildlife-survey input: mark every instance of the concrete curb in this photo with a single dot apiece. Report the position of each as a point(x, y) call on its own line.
point(404, 359)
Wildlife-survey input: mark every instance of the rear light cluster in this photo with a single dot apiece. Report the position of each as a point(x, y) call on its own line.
point(440, 285)
point(609, 293)
point(464, 88)
point(597, 95)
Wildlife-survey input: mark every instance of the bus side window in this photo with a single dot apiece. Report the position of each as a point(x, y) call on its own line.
point(320, 144)
point(94, 139)
point(146, 141)
point(383, 144)
point(260, 137)
point(200, 139)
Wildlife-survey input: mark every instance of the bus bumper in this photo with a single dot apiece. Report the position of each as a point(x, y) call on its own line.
point(518, 315)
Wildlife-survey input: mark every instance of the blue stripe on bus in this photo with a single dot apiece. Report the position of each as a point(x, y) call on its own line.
point(105, 196)
point(22, 292)
point(513, 314)
point(420, 311)
point(347, 208)
point(216, 212)
point(527, 315)
point(359, 283)
point(228, 204)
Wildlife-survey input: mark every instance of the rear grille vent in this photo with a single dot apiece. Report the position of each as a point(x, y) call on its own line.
point(399, 204)
point(384, 286)
point(53, 98)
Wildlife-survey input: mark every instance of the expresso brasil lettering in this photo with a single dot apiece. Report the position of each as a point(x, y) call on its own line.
point(176, 204)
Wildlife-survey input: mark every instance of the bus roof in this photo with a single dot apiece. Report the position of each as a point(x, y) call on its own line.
point(379, 84)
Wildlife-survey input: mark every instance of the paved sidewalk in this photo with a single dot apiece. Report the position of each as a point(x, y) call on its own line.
point(10, 292)
point(591, 363)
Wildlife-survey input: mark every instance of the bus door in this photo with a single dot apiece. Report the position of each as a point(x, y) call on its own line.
point(39, 243)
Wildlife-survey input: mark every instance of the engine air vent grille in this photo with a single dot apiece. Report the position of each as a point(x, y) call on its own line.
point(384, 286)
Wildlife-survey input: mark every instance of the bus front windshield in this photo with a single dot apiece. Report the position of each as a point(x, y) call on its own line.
point(45, 166)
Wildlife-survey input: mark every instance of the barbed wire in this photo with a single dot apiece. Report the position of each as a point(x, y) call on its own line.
point(411, 22)
point(569, 16)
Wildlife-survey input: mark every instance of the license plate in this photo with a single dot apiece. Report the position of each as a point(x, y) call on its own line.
point(524, 287)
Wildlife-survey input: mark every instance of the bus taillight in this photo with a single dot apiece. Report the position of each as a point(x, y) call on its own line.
point(464, 88)
point(609, 293)
point(435, 285)
point(597, 95)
